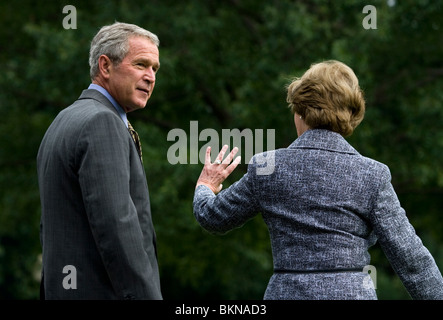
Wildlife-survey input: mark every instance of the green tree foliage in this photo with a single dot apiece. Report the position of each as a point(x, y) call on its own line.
point(224, 64)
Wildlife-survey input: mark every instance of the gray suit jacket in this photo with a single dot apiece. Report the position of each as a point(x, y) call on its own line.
point(324, 205)
point(96, 216)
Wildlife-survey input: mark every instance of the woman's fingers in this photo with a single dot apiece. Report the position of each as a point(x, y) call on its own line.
point(230, 156)
point(233, 165)
point(208, 156)
point(228, 166)
point(222, 154)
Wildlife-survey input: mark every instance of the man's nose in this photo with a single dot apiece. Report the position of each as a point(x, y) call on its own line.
point(149, 75)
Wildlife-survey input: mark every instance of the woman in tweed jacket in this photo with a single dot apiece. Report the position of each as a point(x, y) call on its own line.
point(324, 204)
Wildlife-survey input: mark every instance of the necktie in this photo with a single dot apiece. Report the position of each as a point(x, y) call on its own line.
point(136, 139)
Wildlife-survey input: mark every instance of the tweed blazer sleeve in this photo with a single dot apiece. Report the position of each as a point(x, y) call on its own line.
point(405, 251)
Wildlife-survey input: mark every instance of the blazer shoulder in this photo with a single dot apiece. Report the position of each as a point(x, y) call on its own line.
point(88, 105)
point(380, 167)
point(88, 116)
point(94, 95)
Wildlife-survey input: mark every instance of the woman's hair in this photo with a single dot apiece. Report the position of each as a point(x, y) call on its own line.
point(113, 41)
point(328, 96)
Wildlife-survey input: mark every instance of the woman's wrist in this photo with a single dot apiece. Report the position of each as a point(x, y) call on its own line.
point(210, 186)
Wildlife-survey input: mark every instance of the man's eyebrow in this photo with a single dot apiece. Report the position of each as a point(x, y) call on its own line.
point(147, 61)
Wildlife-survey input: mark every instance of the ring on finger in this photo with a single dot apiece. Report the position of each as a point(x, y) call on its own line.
point(218, 161)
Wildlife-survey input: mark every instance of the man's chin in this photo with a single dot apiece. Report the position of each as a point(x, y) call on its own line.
point(135, 107)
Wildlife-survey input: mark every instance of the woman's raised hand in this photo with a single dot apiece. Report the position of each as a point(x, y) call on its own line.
point(213, 174)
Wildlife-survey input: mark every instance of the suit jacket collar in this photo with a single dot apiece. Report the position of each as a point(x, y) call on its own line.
point(323, 139)
point(96, 95)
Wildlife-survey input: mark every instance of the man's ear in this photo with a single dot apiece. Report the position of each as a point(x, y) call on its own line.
point(104, 66)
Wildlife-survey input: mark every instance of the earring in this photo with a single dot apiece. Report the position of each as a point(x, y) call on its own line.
point(300, 117)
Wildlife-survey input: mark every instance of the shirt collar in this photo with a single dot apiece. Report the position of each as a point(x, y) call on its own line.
point(119, 109)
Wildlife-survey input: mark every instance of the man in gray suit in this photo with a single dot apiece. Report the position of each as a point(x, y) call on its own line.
point(96, 228)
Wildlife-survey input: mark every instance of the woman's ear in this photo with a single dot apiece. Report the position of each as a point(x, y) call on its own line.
point(300, 124)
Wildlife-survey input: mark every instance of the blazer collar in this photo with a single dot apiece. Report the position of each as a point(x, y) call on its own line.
point(96, 95)
point(323, 139)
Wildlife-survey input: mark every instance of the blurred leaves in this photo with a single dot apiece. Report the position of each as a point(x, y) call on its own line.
point(224, 64)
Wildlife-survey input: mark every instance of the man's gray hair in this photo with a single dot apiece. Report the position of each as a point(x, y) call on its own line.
point(112, 41)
